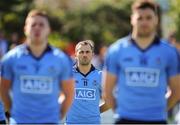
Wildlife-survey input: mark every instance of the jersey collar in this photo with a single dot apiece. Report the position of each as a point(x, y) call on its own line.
point(91, 69)
point(48, 49)
point(156, 41)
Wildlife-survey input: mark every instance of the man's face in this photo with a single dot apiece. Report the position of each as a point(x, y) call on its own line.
point(84, 54)
point(37, 29)
point(144, 22)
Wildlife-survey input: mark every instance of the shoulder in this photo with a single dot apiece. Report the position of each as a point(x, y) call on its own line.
point(167, 46)
point(116, 48)
point(120, 43)
point(98, 72)
point(16, 52)
point(58, 53)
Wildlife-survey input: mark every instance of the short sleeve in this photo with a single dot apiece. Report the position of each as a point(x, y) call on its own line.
point(100, 79)
point(67, 65)
point(6, 67)
point(111, 59)
point(173, 63)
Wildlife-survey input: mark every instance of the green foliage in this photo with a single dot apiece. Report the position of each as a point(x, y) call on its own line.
point(57, 41)
point(175, 14)
point(12, 14)
point(103, 25)
point(103, 21)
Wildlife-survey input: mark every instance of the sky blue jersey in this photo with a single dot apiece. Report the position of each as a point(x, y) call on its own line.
point(85, 107)
point(2, 114)
point(36, 83)
point(142, 77)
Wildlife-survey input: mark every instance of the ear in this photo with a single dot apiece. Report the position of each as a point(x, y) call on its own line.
point(25, 28)
point(75, 55)
point(157, 20)
point(132, 19)
point(49, 29)
point(93, 53)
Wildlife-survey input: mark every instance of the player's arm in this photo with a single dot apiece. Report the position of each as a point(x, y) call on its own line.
point(104, 107)
point(109, 81)
point(68, 91)
point(5, 95)
point(174, 85)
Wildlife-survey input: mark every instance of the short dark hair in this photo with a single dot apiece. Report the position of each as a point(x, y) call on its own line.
point(36, 12)
point(85, 42)
point(143, 4)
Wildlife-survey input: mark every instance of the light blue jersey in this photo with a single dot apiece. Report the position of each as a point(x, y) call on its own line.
point(2, 114)
point(85, 107)
point(142, 77)
point(36, 83)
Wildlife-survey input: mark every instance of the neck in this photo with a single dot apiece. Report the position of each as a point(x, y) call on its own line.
point(145, 41)
point(84, 68)
point(37, 49)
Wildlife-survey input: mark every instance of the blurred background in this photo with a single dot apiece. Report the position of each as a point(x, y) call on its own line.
point(103, 21)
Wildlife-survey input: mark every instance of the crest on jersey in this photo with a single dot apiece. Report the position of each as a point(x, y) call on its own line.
point(21, 67)
point(51, 69)
point(158, 60)
point(76, 81)
point(128, 59)
point(95, 82)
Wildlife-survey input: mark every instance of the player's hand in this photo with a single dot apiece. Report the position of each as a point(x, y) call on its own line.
point(8, 115)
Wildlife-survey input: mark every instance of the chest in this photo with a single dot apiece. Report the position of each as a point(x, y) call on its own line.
point(26, 65)
point(91, 81)
point(87, 88)
point(152, 58)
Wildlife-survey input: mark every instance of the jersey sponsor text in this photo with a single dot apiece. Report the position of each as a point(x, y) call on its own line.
point(36, 84)
point(85, 94)
point(145, 77)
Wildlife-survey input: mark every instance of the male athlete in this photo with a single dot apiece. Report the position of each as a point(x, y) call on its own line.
point(36, 73)
point(85, 108)
point(141, 66)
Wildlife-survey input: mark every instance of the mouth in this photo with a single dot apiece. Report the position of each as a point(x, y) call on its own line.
point(37, 34)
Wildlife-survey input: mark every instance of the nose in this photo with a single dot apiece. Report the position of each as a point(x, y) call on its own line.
point(85, 55)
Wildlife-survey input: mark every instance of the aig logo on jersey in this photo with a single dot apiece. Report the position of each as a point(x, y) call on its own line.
point(85, 94)
point(36, 84)
point(144, 77)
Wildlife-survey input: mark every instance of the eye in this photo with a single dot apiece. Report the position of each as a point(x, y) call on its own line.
point(139, 18)
point(149, 17)
point(87, 52)
point(41, 24)
point(38, 24)
point(81, 52)
point(34, 24)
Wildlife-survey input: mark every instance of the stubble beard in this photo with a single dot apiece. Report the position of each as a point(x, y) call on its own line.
point(84, 62)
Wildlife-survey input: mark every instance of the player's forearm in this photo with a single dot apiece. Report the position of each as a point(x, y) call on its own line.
point(110, 100)
point(65, 106)
point(6, 101)
point(174, 87)
point(172, 100)
point(5, 96)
